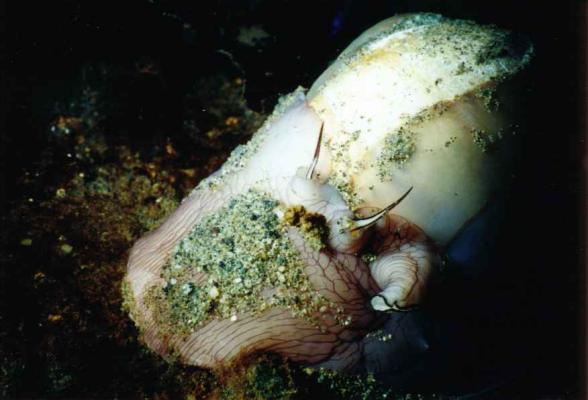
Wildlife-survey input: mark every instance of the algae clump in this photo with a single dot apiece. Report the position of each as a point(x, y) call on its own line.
point(313, 226)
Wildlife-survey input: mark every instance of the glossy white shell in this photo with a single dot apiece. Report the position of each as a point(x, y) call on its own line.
point(426, 78)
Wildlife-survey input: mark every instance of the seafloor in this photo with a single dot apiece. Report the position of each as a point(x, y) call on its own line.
point(113, 116)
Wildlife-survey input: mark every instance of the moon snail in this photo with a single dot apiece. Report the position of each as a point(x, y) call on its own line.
point(332, 217)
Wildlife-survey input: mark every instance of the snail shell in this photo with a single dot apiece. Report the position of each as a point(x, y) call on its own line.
point(419, 101)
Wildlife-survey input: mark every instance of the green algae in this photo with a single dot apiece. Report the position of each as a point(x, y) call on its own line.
point(398, 147)
point(489, 97)
point(341, 177)
point(341, 181)
point(478, 46)
point(486, 141)
point(270, 377)
point(400, 144)
point(266, 377)
point(450, 141)
point(238, 260)
point(351, 387)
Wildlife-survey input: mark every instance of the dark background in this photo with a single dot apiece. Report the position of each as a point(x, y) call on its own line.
point(519, 325)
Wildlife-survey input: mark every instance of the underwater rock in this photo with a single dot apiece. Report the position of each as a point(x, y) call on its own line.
point(284, 250)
